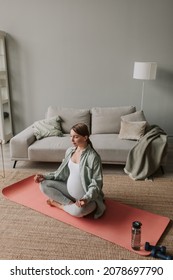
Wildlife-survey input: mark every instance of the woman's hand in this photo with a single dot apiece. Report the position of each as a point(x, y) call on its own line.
point(81, 202)
point(38, 178)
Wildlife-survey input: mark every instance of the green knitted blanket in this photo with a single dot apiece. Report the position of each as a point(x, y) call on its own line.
point(146, 156)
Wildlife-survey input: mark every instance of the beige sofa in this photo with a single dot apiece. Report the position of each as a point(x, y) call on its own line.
point(107, 134)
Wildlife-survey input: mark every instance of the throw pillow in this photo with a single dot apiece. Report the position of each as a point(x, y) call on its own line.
point(47, 127)
point(132, 130)
point(138, 116)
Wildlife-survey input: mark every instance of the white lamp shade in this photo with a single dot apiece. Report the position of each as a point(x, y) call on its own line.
point(145, 70)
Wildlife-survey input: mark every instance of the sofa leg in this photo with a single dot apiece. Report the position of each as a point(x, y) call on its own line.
point(162, 169)
point(14, 165)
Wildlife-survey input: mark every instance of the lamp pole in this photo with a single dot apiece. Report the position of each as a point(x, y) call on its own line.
point(142, 97)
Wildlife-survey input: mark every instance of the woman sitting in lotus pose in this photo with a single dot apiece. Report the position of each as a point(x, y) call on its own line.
point(76, 186)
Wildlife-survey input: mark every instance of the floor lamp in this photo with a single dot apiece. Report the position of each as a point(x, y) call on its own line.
point(144, 71)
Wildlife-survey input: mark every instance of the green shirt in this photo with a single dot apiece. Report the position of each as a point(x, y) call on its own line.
point(91, 176)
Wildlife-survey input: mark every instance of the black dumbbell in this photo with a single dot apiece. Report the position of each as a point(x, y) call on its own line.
point(157, 254)
point(149, 247)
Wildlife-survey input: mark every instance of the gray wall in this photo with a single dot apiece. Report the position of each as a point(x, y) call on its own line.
point(80, 53)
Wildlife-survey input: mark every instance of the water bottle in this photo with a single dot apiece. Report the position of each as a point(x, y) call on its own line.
point(136, 235)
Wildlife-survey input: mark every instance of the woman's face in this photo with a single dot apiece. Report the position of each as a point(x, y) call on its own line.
point(78, 140)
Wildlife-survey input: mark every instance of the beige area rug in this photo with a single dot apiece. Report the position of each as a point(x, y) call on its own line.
point(27, 234)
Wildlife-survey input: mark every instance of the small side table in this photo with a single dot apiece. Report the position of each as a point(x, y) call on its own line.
point(2, 160)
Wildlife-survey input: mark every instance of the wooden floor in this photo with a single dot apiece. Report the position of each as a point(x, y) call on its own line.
point(168, 169)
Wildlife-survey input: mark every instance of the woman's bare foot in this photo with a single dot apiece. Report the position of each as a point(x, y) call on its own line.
point(54, 204)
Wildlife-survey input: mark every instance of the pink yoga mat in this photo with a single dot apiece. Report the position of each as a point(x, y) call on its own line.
point(114, 225)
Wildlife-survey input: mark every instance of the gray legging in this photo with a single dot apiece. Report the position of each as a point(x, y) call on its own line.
point(57, 190)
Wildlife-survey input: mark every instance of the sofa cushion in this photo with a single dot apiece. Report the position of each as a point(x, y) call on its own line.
point(47, 128)
point(49, 149)
point(107, 119)
point(69, 116)
point(111, 148)
point(132, 130)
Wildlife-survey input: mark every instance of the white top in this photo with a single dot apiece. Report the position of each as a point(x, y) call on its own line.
point(74, 184)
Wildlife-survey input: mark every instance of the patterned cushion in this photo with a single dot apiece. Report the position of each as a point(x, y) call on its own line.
point(47, 127)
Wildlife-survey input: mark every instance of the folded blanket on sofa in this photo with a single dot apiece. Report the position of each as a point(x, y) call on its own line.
point(146, 156)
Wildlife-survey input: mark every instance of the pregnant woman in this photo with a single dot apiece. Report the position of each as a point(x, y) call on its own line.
point(76, 186)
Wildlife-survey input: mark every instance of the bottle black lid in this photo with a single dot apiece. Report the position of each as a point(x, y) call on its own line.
point(137, 224)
